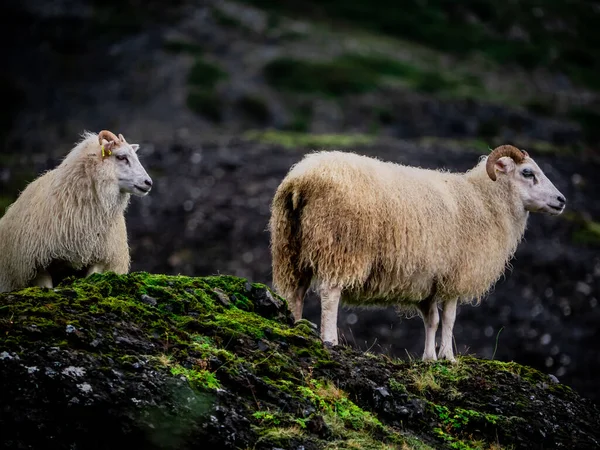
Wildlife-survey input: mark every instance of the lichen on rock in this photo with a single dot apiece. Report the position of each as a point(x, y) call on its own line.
point(173, 362)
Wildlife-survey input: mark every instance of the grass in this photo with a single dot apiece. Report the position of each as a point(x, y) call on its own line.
point(291, 139)
point(355, 73)
point(477, 26)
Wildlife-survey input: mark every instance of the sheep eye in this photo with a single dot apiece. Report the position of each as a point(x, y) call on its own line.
point(122, 158)
point(527, 173)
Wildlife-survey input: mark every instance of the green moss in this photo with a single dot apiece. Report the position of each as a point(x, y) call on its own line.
point(292, 139)
point(201, 378)
point(292, 389)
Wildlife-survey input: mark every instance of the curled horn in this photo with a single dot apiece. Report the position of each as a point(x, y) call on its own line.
point(108, 135)
point(504, 150)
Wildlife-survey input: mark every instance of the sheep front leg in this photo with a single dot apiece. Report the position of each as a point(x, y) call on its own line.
point(330, 300)
point(431, 320)
point(42, 279)
point(94, 268)
point(448, 318)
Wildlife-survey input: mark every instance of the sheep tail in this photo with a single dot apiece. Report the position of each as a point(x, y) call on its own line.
point(286, 240)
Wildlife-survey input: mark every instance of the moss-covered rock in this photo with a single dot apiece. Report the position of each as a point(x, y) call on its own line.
point(165, 362)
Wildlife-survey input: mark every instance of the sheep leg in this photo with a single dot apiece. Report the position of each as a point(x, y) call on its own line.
point(431, 320)
point(448, 318)
point(94, 268)
point(298, 299)
point(330, 300)
point(42, 279)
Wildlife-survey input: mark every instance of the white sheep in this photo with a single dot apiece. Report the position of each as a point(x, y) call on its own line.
point(70, 220)
point(378, 233)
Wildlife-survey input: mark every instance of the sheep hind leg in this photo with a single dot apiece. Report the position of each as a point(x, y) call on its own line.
point(448, 318)
point(298, 298)
point(431, 320)
point(42, 279)
point(330, 300)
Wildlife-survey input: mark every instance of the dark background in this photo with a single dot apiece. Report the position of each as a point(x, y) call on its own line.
point(224, 97)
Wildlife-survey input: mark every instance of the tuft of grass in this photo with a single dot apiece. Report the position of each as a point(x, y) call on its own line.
point(200, 378)
point(291, 139)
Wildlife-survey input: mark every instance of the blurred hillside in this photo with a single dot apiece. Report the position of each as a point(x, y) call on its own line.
point(225, 96)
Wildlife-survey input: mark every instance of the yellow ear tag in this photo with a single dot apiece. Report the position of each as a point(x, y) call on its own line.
point(105, 151)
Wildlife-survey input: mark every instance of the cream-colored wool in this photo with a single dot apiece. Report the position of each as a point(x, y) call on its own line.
point(73, 215)
point(386, 234)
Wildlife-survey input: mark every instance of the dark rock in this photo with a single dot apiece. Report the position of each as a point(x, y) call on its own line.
point(222, 297)
point(148, 300)
point(155, 384)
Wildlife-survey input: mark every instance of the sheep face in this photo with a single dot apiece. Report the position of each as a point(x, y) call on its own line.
point(536, 190)
point(132, 177)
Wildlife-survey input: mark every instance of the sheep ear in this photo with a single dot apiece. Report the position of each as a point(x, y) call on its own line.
point(106, 148)
point(135, 147)
point(505, 165)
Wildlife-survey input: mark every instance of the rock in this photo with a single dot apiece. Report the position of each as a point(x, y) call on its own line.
point(222, 297)
point(230, 378)
point(148, 300)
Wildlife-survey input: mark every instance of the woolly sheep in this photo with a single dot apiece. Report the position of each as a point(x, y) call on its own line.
point(377, 233)
point(70, 220)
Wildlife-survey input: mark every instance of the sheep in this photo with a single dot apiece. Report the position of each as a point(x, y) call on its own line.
point(70, 220)
point(370, 232)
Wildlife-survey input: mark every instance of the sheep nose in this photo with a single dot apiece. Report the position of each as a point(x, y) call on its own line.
point(148, 182)
point(561, 199)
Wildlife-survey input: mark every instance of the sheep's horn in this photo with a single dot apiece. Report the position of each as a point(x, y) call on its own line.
point(504, 150)
point(108, 135)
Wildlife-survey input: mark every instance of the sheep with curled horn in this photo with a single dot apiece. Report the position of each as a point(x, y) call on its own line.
point(369, 232)
point(70, 220)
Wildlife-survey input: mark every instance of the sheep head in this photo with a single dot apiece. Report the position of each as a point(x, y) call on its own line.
point(536, 191)
point(131, 175)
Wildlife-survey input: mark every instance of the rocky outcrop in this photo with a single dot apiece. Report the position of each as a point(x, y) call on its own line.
point(171, 362)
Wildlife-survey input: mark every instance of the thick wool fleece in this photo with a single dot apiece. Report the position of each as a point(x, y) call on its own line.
point(388, 234)
point(73, 213)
